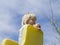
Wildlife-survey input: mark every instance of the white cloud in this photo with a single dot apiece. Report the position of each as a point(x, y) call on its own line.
point(7, 27)
point(51, 37)
point(8, 4)
point(1, 40)
point(7, 30)
point(40, 7)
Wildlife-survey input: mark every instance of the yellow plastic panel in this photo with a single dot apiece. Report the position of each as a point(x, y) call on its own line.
point(32, 36)
point(9, 42)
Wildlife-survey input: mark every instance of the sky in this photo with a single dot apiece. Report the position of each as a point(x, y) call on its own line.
point(11, 12)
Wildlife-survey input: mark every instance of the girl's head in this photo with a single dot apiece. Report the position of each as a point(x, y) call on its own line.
point(29, 18)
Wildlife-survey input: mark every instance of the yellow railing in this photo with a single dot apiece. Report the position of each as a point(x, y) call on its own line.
point(9, 42)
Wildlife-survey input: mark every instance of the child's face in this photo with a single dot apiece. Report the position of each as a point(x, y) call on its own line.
point(31, 21)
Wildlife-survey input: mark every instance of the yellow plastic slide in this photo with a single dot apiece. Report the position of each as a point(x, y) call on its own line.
point(9, 42)
point(32, 36)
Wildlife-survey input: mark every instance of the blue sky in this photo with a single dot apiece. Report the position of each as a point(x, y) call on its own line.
point(11, 12)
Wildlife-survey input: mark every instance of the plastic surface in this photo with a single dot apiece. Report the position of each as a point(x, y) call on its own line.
point(9, 42)
point(32, 36)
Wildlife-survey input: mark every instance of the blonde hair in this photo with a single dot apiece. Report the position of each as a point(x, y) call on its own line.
point(28, 16)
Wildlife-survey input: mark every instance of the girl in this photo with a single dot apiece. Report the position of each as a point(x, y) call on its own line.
point(28, 18)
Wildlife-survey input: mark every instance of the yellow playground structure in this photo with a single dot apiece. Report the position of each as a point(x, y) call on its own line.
point(30, 36)
point(9, 42)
